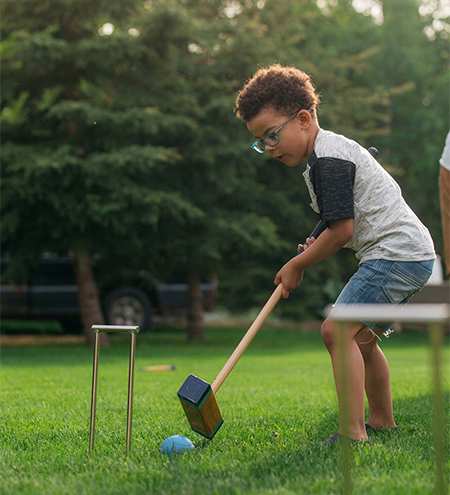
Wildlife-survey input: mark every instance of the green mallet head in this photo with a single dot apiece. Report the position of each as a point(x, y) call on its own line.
point(200, 406)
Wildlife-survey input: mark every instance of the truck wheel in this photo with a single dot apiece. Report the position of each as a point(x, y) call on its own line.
point(128, 306)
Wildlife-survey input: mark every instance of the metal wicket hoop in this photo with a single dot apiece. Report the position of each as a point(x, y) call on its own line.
point(133, 330)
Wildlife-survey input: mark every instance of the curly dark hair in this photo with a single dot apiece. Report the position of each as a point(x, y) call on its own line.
point(286, 89)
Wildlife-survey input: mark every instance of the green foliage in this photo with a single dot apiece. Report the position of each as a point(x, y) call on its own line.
point(124, 141)
point(416, 77)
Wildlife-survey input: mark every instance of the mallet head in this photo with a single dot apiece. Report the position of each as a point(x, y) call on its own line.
point(200, 406)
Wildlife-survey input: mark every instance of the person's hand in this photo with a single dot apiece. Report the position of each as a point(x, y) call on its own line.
point(290, 277)
point(309, 242)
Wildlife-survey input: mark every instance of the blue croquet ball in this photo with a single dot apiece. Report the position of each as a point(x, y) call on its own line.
point(176, 444)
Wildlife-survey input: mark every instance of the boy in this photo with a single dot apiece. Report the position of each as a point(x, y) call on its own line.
point(363, 209)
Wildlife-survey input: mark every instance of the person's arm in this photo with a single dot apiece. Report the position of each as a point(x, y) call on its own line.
point(338, 233)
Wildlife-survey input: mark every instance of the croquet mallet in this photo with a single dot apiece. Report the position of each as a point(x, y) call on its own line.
point(198, 397)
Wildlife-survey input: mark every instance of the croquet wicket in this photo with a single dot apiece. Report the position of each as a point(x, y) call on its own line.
point(115, 329)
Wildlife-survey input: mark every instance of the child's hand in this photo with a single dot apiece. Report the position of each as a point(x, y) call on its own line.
point(290, 277)
point(309, 242)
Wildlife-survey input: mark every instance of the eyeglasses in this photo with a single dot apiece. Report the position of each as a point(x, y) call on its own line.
point(272, 139)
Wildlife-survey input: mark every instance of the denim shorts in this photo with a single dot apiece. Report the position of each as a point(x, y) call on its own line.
point(385, 282)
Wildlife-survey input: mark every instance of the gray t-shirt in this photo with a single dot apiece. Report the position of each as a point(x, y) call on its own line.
point(345, 181)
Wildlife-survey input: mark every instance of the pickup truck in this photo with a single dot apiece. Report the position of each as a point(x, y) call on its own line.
point(130, 298)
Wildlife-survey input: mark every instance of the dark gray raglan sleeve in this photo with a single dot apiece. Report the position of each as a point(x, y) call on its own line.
point(333, 180)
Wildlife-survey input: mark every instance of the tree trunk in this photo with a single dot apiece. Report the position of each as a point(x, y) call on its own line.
point(88, 298)
point(196, 325)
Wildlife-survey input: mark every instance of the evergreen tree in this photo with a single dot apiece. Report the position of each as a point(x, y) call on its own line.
point(84, 144)
point(119, 136)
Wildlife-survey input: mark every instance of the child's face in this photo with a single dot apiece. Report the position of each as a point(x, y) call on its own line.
point(295, 138)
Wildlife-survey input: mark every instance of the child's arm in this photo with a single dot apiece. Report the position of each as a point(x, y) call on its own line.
point(338, 233)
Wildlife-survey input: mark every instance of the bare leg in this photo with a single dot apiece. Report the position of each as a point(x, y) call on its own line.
point(350, 397)
point(377, 381)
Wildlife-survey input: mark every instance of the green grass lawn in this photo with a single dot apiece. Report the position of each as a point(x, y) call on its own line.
point(278, 405)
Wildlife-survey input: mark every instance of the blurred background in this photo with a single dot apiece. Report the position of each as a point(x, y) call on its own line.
point(129, 189)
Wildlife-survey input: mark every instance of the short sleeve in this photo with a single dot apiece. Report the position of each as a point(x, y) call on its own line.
point(333, 180)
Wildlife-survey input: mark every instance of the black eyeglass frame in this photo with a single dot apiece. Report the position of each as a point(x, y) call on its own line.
point(260, 146)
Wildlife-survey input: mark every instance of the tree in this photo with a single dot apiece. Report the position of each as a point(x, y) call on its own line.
point(84, 147)
point(118, 130)
point(111, 140)
point(335, 47)
point(415, 68)
point(210, 174)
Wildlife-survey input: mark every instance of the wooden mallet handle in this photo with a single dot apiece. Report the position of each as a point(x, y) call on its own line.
point(248, 337)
